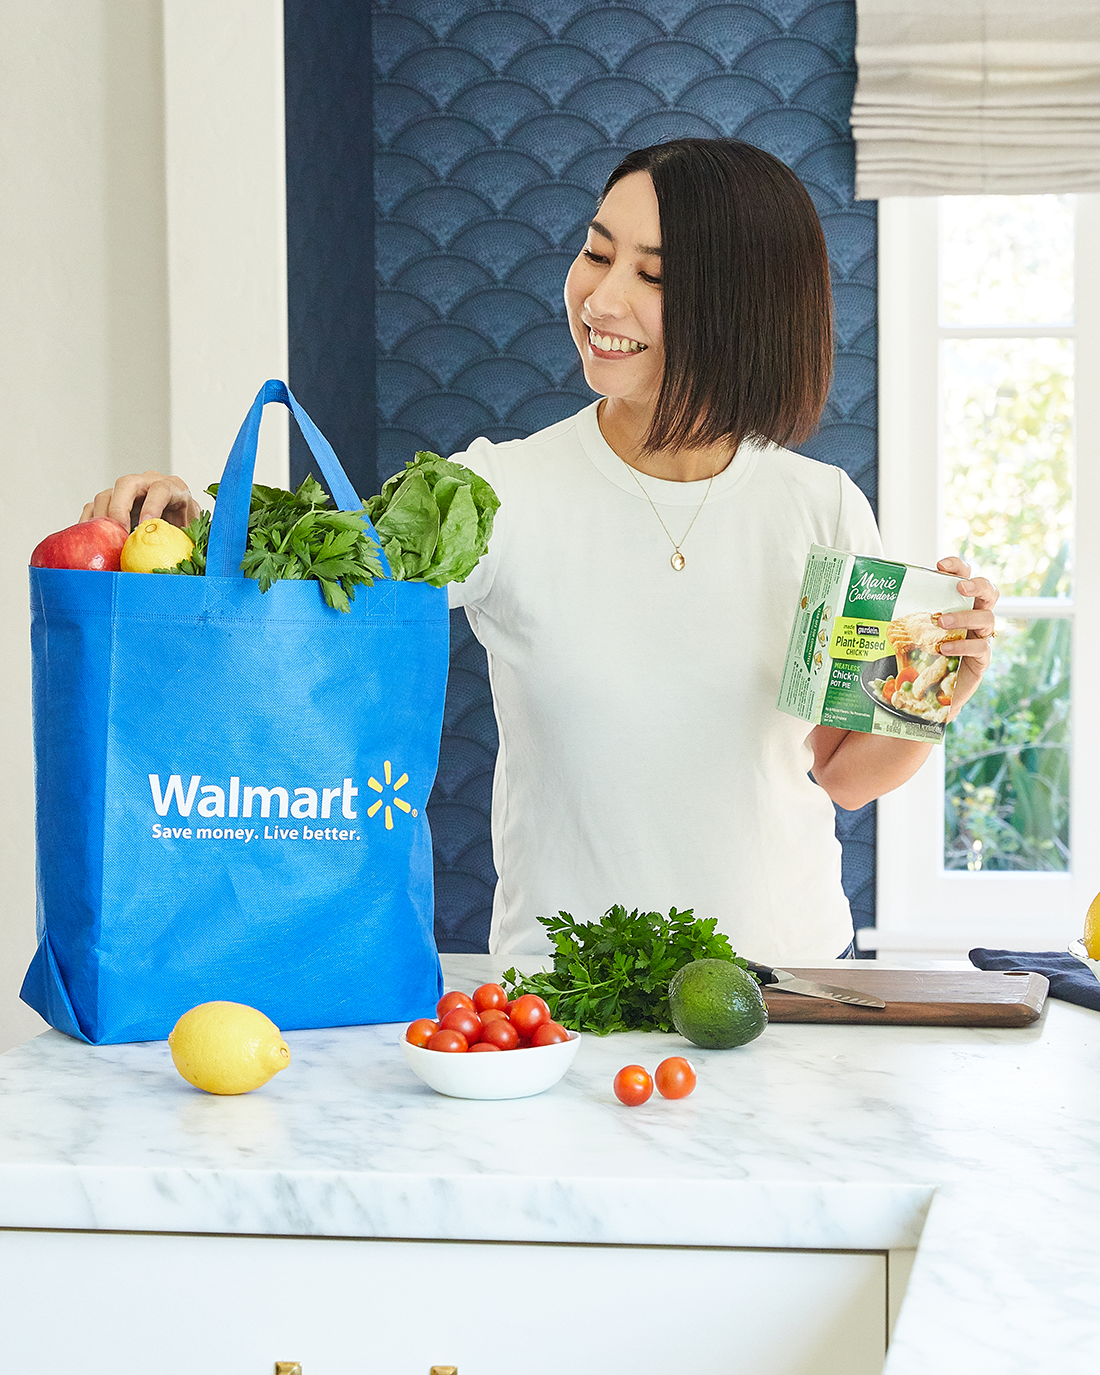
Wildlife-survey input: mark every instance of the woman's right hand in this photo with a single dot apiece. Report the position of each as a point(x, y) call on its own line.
point(145, 496)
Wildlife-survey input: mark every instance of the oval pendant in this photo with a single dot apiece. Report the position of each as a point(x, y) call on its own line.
point(678, 561)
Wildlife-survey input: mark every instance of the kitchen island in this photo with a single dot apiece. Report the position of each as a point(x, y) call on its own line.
point(823, 1184)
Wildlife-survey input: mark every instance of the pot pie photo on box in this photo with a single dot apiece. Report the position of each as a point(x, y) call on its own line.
point(924, 678)
point(866, 650)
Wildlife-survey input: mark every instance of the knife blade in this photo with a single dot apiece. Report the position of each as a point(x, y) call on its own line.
point(784, 980)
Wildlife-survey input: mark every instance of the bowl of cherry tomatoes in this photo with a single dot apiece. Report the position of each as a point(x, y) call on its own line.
point(483, 1045)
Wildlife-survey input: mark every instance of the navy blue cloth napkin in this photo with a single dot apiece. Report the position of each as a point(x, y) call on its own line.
point(1070, 980)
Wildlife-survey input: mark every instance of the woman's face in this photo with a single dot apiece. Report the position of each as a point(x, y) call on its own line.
point(613, 295)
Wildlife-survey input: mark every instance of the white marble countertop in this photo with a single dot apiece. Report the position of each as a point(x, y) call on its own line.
point(981, 1148)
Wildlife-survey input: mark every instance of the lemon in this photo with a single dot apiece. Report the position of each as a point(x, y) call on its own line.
point(1092, 929)
point(227, 1048)
point(155, 544)
point(716, 1004)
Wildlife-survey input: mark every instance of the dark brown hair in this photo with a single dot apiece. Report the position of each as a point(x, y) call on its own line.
point(746, 305)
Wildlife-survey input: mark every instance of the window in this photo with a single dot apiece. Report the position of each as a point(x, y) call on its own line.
point(990, 447)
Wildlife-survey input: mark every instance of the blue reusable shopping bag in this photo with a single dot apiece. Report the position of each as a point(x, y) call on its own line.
point(230, 787)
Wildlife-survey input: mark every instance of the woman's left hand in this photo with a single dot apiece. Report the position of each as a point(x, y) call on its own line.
point(975, 651)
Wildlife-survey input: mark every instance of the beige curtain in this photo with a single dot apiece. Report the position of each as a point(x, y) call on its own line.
point(965, 97)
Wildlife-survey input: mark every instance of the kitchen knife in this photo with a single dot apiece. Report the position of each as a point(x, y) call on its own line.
point(787, 983)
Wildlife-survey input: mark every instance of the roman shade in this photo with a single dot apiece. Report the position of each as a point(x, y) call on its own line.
point(964, 97)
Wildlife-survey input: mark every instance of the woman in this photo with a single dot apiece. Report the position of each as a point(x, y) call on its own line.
point(637, 596)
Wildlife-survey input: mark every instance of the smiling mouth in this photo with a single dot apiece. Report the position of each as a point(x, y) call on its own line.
point(612, 343)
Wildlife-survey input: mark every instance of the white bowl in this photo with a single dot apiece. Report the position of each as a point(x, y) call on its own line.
point(492, 1074)
point(1077, 950)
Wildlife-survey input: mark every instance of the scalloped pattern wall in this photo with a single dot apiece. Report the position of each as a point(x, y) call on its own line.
point(495, 125)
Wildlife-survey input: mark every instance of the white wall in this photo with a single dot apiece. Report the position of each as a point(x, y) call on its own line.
point(226, 192)
point(142, 299)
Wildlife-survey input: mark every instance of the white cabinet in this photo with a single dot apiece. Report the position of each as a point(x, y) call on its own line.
point(102, 1303)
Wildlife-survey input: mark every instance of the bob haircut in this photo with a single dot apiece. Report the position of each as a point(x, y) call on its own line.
point(746, 306)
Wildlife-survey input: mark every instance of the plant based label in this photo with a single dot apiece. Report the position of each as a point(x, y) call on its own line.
point(866, 651)
point(859, 639)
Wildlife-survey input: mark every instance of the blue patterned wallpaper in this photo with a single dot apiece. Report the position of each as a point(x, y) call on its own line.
point(495, 125)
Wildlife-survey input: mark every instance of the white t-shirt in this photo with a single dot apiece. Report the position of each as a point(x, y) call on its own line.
point(643, 760)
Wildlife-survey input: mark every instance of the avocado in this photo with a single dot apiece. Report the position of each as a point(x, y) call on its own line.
point(716, 1004)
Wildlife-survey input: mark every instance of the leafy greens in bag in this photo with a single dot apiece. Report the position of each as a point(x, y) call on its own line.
point(292, 535)
point(434, 520)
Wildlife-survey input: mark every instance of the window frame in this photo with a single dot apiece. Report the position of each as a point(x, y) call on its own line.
point(922, 909)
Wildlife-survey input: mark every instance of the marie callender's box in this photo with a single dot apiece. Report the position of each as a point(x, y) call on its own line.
point(865, 647)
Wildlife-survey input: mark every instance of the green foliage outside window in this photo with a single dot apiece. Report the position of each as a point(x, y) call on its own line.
point(1007, 764)
point(1008, 446)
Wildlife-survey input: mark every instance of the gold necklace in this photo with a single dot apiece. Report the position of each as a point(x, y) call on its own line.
point(677, 560)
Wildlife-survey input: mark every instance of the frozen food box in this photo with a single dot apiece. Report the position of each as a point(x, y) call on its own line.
point(864, 652)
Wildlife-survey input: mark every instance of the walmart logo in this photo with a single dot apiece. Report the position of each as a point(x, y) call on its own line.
point(395, 785)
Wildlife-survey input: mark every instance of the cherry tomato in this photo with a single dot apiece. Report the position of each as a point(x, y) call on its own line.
point(633, 1086)
point(490, 995)
point(464, 1020)
point(483, 1045)
point(492, 1014)
point(675, 1077)
point(420, 1030)
point(501, 1034)
point(549, 1034)
point(453, 1000)
point(527, 1013)
point(453, 1041)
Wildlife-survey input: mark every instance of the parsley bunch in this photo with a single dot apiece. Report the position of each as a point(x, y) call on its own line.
point(613, 975)
point(293, 535)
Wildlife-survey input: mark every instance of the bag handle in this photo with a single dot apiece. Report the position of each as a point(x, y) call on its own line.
point(229, 523)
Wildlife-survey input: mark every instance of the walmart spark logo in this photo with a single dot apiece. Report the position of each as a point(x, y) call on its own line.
point(399, 802)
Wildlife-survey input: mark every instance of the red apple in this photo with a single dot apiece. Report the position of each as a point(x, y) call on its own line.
point(94, 545)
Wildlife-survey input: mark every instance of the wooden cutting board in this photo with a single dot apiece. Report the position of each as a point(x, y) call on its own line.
point(915, 997)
